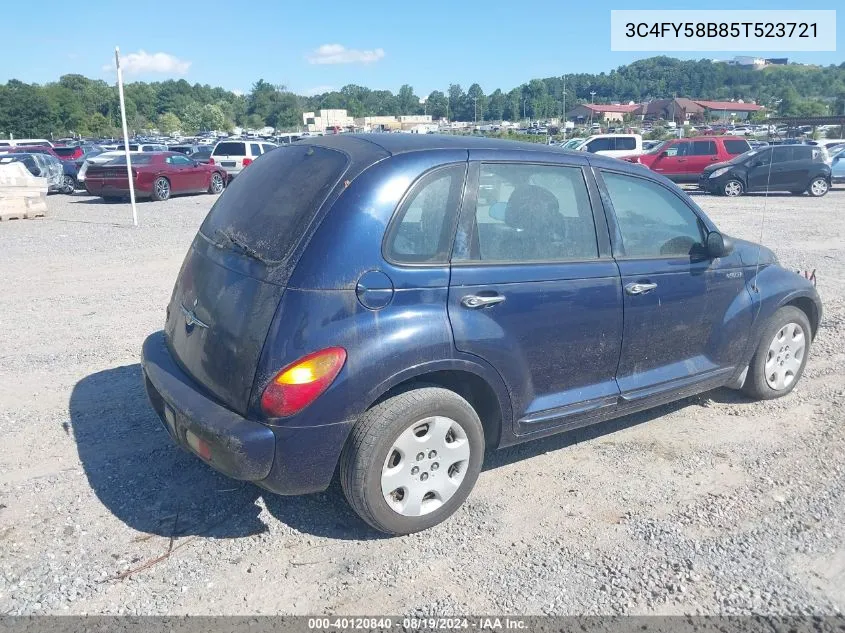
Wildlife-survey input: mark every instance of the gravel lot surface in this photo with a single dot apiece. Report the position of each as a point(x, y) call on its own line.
point(712, 505)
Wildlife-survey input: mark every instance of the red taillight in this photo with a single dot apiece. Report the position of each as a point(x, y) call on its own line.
point(299, 384)
point(247, 161)
point(210, 161)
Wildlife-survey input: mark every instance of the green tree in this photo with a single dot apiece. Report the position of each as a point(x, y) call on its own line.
point(437, 104)
point(191, 116)
point(99, 125)
point(212, 117)
point(168, 123)
point(407, 101)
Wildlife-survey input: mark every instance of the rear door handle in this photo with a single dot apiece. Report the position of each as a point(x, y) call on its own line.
point(639, 288)
point(476, 301)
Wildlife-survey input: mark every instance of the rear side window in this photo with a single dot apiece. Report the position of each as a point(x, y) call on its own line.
point(137, 159)
point(255, 149)
point(782, 154)
point(802, 152)
point(269, 205)
point(421, 232)
point(626, 142)
point(530, 213)
point(267, 147)
point(678, 149)
point(704, 148)
point(229, 149)
point(736, 146)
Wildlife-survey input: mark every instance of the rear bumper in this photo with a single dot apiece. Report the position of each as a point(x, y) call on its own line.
point(285, 460)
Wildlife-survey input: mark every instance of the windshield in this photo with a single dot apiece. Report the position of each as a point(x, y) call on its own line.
point(656, 149)
point(736, 160)
point(268, 207)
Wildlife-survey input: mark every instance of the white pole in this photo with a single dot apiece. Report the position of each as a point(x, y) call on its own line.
point(125, 137)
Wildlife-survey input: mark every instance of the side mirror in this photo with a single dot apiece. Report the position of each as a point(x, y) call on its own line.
point(719, 245)
point(497, 211)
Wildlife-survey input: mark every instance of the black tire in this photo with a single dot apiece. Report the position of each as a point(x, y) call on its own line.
point(733, 188)
point(216, 183)
point(68, 185)
point(756, 384)
point(373, 437)
point(161, 189)
point(818, 187)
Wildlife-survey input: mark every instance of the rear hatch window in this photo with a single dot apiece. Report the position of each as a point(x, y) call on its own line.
point(229, 149)
point(268, 207)
point(737, 147)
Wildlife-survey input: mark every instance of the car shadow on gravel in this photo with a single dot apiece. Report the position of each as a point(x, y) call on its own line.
point(155, 487)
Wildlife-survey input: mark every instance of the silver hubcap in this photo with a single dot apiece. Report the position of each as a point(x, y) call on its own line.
point(162, 188)
point(733, 188)
point(425, 466)
point(785, 355)
point(216, 183)
point(819, 187)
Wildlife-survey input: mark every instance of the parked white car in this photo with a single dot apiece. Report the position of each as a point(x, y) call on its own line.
point(15, 142)
point(612, 144)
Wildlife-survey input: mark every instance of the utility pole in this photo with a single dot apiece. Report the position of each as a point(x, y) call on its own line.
point(563, 118)
point(475, 109)
point(592, 99)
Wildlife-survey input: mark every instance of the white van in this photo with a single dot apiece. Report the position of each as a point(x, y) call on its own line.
point(14, 142)
point(612, 144)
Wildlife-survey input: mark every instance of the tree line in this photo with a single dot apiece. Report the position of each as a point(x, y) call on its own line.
point(81, 106)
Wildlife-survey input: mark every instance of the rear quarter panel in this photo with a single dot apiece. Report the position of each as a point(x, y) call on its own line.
point(320, 308)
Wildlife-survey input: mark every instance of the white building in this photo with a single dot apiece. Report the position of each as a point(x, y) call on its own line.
point(322, 119)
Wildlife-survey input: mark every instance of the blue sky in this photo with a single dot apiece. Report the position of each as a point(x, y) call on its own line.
point(377, 44)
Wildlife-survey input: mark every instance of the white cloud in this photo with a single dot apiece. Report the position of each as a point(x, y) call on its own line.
point(143, 62)
point(238, 92)
point(318, 90)
point(339, 54)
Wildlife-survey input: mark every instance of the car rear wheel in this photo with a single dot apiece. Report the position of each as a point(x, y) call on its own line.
point(732, 188)
point(161, 189)
point(780, 358)
point(818, 187)
point(412, 460)
point(216, 185)
point(68, 185)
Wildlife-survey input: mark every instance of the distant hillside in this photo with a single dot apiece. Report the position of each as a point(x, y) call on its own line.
point(78, 105)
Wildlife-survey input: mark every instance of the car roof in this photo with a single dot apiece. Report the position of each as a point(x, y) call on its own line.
point(394, 144)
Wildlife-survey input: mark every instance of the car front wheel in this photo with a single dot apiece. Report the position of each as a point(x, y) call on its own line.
point(818, 187)
point(412, 460)
point(732, 188)
point(780, 358)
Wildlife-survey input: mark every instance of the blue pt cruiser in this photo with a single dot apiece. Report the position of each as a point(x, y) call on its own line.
point(386, 307)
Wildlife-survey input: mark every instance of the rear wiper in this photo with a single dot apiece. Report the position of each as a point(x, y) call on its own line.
point(238, 244)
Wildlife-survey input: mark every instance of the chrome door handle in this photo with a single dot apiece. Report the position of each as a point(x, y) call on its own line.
point(638, 289)
point(476, 301)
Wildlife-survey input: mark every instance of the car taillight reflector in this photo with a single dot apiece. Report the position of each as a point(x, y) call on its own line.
point(299, 384)
point(247, 161)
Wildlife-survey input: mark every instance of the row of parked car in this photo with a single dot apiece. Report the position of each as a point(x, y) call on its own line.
point(730, 165)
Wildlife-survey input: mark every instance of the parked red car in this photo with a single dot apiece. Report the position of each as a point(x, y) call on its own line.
point(69, 152)
point(156, 175)
point(684, 159)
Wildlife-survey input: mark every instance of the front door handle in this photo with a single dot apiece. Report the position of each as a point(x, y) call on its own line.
point(476, 301)
point(639, 288)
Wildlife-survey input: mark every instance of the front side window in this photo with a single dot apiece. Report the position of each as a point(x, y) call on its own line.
point(529, 213)
point(600, 145)
point(421, 231)
point(653, 221)
point(678, 149)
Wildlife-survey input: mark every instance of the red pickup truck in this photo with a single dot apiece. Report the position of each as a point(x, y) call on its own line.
point(684, 159)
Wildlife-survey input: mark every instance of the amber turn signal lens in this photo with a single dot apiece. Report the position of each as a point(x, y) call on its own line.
point(299, 384)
